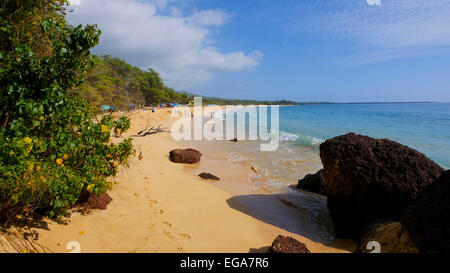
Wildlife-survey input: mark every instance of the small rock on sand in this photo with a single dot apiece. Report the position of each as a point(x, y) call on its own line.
point(188, 156)
point(93, 201)
point(286, 244)
point(208, 176)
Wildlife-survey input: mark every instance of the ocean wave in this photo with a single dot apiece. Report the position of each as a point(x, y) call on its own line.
point(288, 136)
point(316, 141)
point(303, 140)
point(309, 141)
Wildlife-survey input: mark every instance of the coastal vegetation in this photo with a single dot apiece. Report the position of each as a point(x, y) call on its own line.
point(112, 81)
point(52, 148)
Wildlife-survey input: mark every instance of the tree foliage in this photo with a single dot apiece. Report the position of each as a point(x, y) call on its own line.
point(50, 147)
point(113, 81)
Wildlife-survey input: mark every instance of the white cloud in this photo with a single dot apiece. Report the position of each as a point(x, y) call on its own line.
point(178, 46)
point(373, 2)
point(75, 2)
point(208, 18)
point(394, 29)
point(396, 23)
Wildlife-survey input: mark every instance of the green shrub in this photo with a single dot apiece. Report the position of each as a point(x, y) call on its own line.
point(50, 148)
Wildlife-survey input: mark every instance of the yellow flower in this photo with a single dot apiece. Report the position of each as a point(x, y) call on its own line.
point(38, 168)
point(90, 187)
point(65, 156)
point(27, 140)
point(104, 128)
point(59, 161)
point(116, 164)
point(28, 150)
point(11, 152)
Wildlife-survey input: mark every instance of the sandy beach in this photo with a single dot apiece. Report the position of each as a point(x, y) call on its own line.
point(160, 206)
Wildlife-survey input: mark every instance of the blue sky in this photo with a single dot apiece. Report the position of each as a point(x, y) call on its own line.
point(311, 50)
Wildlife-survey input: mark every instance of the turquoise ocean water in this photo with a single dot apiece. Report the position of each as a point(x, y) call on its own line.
point(422, 126)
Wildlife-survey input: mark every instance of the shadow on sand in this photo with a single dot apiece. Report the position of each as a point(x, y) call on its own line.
point(299, 212)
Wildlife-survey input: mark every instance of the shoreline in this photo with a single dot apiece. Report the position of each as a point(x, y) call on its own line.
point(160, 206)
point(282, 211)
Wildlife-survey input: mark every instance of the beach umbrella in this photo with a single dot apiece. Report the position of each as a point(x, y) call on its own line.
point(105, 107)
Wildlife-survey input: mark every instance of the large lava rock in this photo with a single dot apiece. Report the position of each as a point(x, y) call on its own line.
point(428, 219)
point(188, 156)
point(391, 237)
point(286, 244)
point(369, 178)
point(313, 183)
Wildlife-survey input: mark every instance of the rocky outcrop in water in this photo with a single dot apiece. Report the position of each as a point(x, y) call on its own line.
point(286, 244)
point(370, 179)
point(428, 219)
point(187, 156)
point(313, 183)
point(391, 237)
point(208, 176)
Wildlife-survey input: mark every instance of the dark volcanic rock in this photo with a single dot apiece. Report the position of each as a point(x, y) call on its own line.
point(285, 244)
point(369, 178)
point(428, 219)
point(391, 236)
point(208, 176)
point(313, 183)
point(93, 201)
point(188, 156)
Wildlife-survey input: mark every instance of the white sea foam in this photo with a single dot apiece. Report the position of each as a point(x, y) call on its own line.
point(236, 158)
point(288, 136)
point(304, 140)
point(316, 140)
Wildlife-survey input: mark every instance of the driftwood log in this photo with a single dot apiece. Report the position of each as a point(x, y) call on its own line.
point(151, 131)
